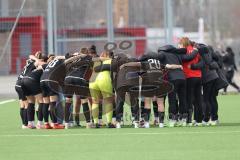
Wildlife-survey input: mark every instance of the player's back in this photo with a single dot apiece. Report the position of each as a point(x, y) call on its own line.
point(80, 69)
point(28, 68)
point(54, 71)
point(103, 75)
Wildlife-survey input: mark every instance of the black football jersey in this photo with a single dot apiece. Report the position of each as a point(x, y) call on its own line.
point(37, 73)
point(53, 69)
point(79, 68)
point(27, 68)
point(151, 64)
point(151, 72)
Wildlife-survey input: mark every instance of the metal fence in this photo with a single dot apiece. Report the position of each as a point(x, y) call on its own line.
point(60, 26)
point(98, 22)
point(20, 36)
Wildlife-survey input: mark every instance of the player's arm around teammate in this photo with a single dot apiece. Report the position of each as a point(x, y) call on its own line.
point(50, 89)
point(31, 85)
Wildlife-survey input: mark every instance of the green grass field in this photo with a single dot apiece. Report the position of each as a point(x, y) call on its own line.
point(189, 143)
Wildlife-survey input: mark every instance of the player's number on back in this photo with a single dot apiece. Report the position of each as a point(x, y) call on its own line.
point(52, 63)
point(154, 64)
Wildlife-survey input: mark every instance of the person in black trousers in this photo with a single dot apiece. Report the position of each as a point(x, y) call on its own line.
point(194, 85)
point(209, 79)
point(220, 83)
point(230, 67)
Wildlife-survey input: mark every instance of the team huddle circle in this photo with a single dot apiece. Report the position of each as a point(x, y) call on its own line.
point(51, 87)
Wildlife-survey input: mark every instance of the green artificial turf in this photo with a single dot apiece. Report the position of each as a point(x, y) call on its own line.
point(180, 143)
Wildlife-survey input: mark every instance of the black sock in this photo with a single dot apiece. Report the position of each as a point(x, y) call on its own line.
point(22, 114)
point(67, 112)
point(147, 114)
point(45, 112)
point(86, 112)
point(172, 116)
point(77, 118)
point(100, 111)
point(31, 111)
point(184, 116)
point(135, 109)
point(50, 114)
point(40, 112)
point(189, 116)
point(136, 113)
point(142, 109)
point(53, 111)
point(161, 116)
point(114, 109)
point(71, 114)
point(133, 112)
point(155, 108)
point(25, 117)
point(119, 111)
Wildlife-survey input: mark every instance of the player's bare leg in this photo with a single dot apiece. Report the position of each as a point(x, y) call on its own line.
point(95, 111)
point(108, 106)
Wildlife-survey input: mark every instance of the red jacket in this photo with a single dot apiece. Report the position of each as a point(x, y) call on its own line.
point(189, 73)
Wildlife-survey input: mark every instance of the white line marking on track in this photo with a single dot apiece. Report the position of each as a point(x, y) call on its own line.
point(114, 134)
point(7, 101)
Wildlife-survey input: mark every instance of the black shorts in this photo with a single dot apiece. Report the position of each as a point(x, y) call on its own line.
point(76, 86)
point(19, 90)
point(158, 89)
point(30, 86)
point(50, 88)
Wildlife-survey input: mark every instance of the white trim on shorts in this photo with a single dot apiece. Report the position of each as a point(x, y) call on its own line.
point(75, 77)
point(48, 80)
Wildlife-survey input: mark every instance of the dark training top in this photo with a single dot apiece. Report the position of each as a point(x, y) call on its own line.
point(80, 68)
point(37, 73)
point(114, 67)
point(149, 63)
point(170, 55)
point(154, 76)
point(27, 69)
point(54, 71)
point(208, 72)
point(229, 62)
point(151, 71)
point(78, 74)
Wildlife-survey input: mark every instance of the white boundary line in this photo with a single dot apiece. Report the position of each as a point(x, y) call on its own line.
point(116, 134)
point(7, 101)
